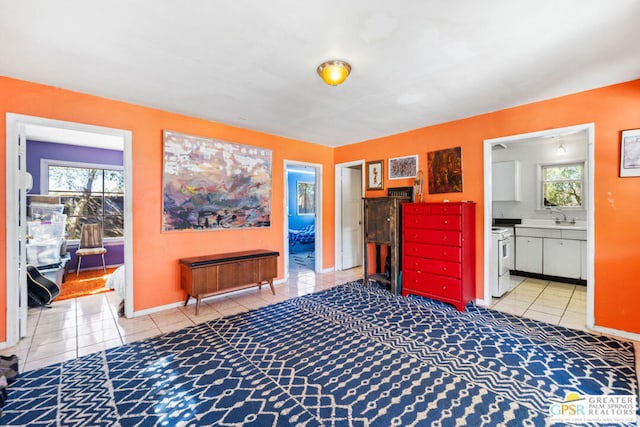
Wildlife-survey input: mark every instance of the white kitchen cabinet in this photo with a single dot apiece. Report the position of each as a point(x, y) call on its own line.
point(529, 254)
point(583, 260)
point(506, 181)
point(561, 258)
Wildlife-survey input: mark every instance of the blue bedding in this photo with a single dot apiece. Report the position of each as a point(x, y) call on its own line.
point(300, 237)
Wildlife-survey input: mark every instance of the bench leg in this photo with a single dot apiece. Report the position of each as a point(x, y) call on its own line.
point(198, 300)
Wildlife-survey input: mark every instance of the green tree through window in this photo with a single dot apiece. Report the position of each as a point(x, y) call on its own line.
point(562, 185)
point(90, 194)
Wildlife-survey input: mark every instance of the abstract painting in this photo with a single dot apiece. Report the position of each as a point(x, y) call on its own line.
point(403, 167)
point(210, 184)
point(445, 170)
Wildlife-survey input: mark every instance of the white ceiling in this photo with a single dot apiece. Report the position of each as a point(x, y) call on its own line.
point(251, 63)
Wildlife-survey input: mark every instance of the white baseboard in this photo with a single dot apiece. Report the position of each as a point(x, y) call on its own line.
point(483, 303)
point(617, 333)
point(157, 309)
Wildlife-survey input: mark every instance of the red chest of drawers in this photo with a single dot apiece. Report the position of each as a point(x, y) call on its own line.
point(438, 251)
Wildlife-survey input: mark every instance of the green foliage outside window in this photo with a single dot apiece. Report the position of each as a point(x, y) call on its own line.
point(562, 185)
point(90, 195)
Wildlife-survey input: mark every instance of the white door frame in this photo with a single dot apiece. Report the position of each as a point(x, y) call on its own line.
point(15, 123)
point(338, 208)
point(488, 215)
point(318, 216)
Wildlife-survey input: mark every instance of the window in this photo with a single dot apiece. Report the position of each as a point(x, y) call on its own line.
point(562, 185)
point(306, 198)
point(90, 193)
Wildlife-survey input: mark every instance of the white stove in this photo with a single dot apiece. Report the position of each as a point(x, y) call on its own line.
point(501, 260)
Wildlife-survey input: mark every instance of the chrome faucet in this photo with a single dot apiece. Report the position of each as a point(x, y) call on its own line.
point(564, 219)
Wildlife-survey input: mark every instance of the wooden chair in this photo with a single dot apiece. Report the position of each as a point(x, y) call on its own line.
point(90, 244)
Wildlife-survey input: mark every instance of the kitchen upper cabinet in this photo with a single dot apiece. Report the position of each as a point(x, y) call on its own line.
point(529, 254)
point(561, 258)
point(506, 181)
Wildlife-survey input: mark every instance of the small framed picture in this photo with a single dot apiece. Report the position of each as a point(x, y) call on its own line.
point(630, 153)
point(403, 167)
point(375, 177)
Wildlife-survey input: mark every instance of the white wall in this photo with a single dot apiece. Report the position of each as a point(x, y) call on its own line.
point(530, 155)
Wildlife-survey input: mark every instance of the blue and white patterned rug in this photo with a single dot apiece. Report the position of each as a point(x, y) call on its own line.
point(348, 356)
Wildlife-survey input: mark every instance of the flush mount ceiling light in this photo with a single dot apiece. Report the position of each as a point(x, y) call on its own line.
point(334, 72)
point(561, 149)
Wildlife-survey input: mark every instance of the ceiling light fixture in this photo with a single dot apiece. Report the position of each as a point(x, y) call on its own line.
point(334, 72)
point(561, 149)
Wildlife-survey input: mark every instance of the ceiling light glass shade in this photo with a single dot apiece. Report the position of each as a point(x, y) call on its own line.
point(561, 149)
point(334, 72)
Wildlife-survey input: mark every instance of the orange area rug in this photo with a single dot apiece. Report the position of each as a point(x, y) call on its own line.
point(87, 283)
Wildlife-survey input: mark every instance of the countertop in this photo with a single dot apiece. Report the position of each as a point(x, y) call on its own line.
point(551, 225)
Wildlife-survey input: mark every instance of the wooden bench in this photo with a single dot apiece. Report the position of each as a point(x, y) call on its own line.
point(209, 275)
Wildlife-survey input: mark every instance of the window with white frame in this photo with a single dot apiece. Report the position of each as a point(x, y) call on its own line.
point(562, 185)
point(90, 193)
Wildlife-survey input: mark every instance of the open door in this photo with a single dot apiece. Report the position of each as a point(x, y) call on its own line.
point(21, 191)
point(351, 196)
point(348, 205)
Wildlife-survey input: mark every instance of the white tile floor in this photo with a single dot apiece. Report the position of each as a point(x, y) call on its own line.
point(552, 302)
point(73, 328)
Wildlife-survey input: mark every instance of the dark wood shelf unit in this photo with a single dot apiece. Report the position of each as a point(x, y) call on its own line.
point(382, 218)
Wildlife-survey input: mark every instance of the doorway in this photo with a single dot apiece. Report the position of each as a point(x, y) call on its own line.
point(551, 138)
point(19, 129)
point(303, 219)
point(349, 192)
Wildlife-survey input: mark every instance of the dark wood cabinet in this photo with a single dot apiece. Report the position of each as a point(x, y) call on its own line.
point(216, 274)
point(439, 251)
point(382, 218)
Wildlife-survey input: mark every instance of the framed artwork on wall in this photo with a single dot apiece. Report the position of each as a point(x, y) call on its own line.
point(403, 167)
point(445, 170)
point(630, 153)
point(306, 198)
point(375, 175)
point(209, 184)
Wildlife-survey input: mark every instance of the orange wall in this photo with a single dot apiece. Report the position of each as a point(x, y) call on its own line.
point(155, 254)
point(156, 277)
point(617, 223)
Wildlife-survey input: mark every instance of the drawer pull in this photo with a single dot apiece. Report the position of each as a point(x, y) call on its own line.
point(445, 222)
point(444, 268)
point(444, 253)
point(444, 288)
point(444, 237)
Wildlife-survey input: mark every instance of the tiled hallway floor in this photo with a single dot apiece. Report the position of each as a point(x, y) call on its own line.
point(552, 302)
point(73, 328)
